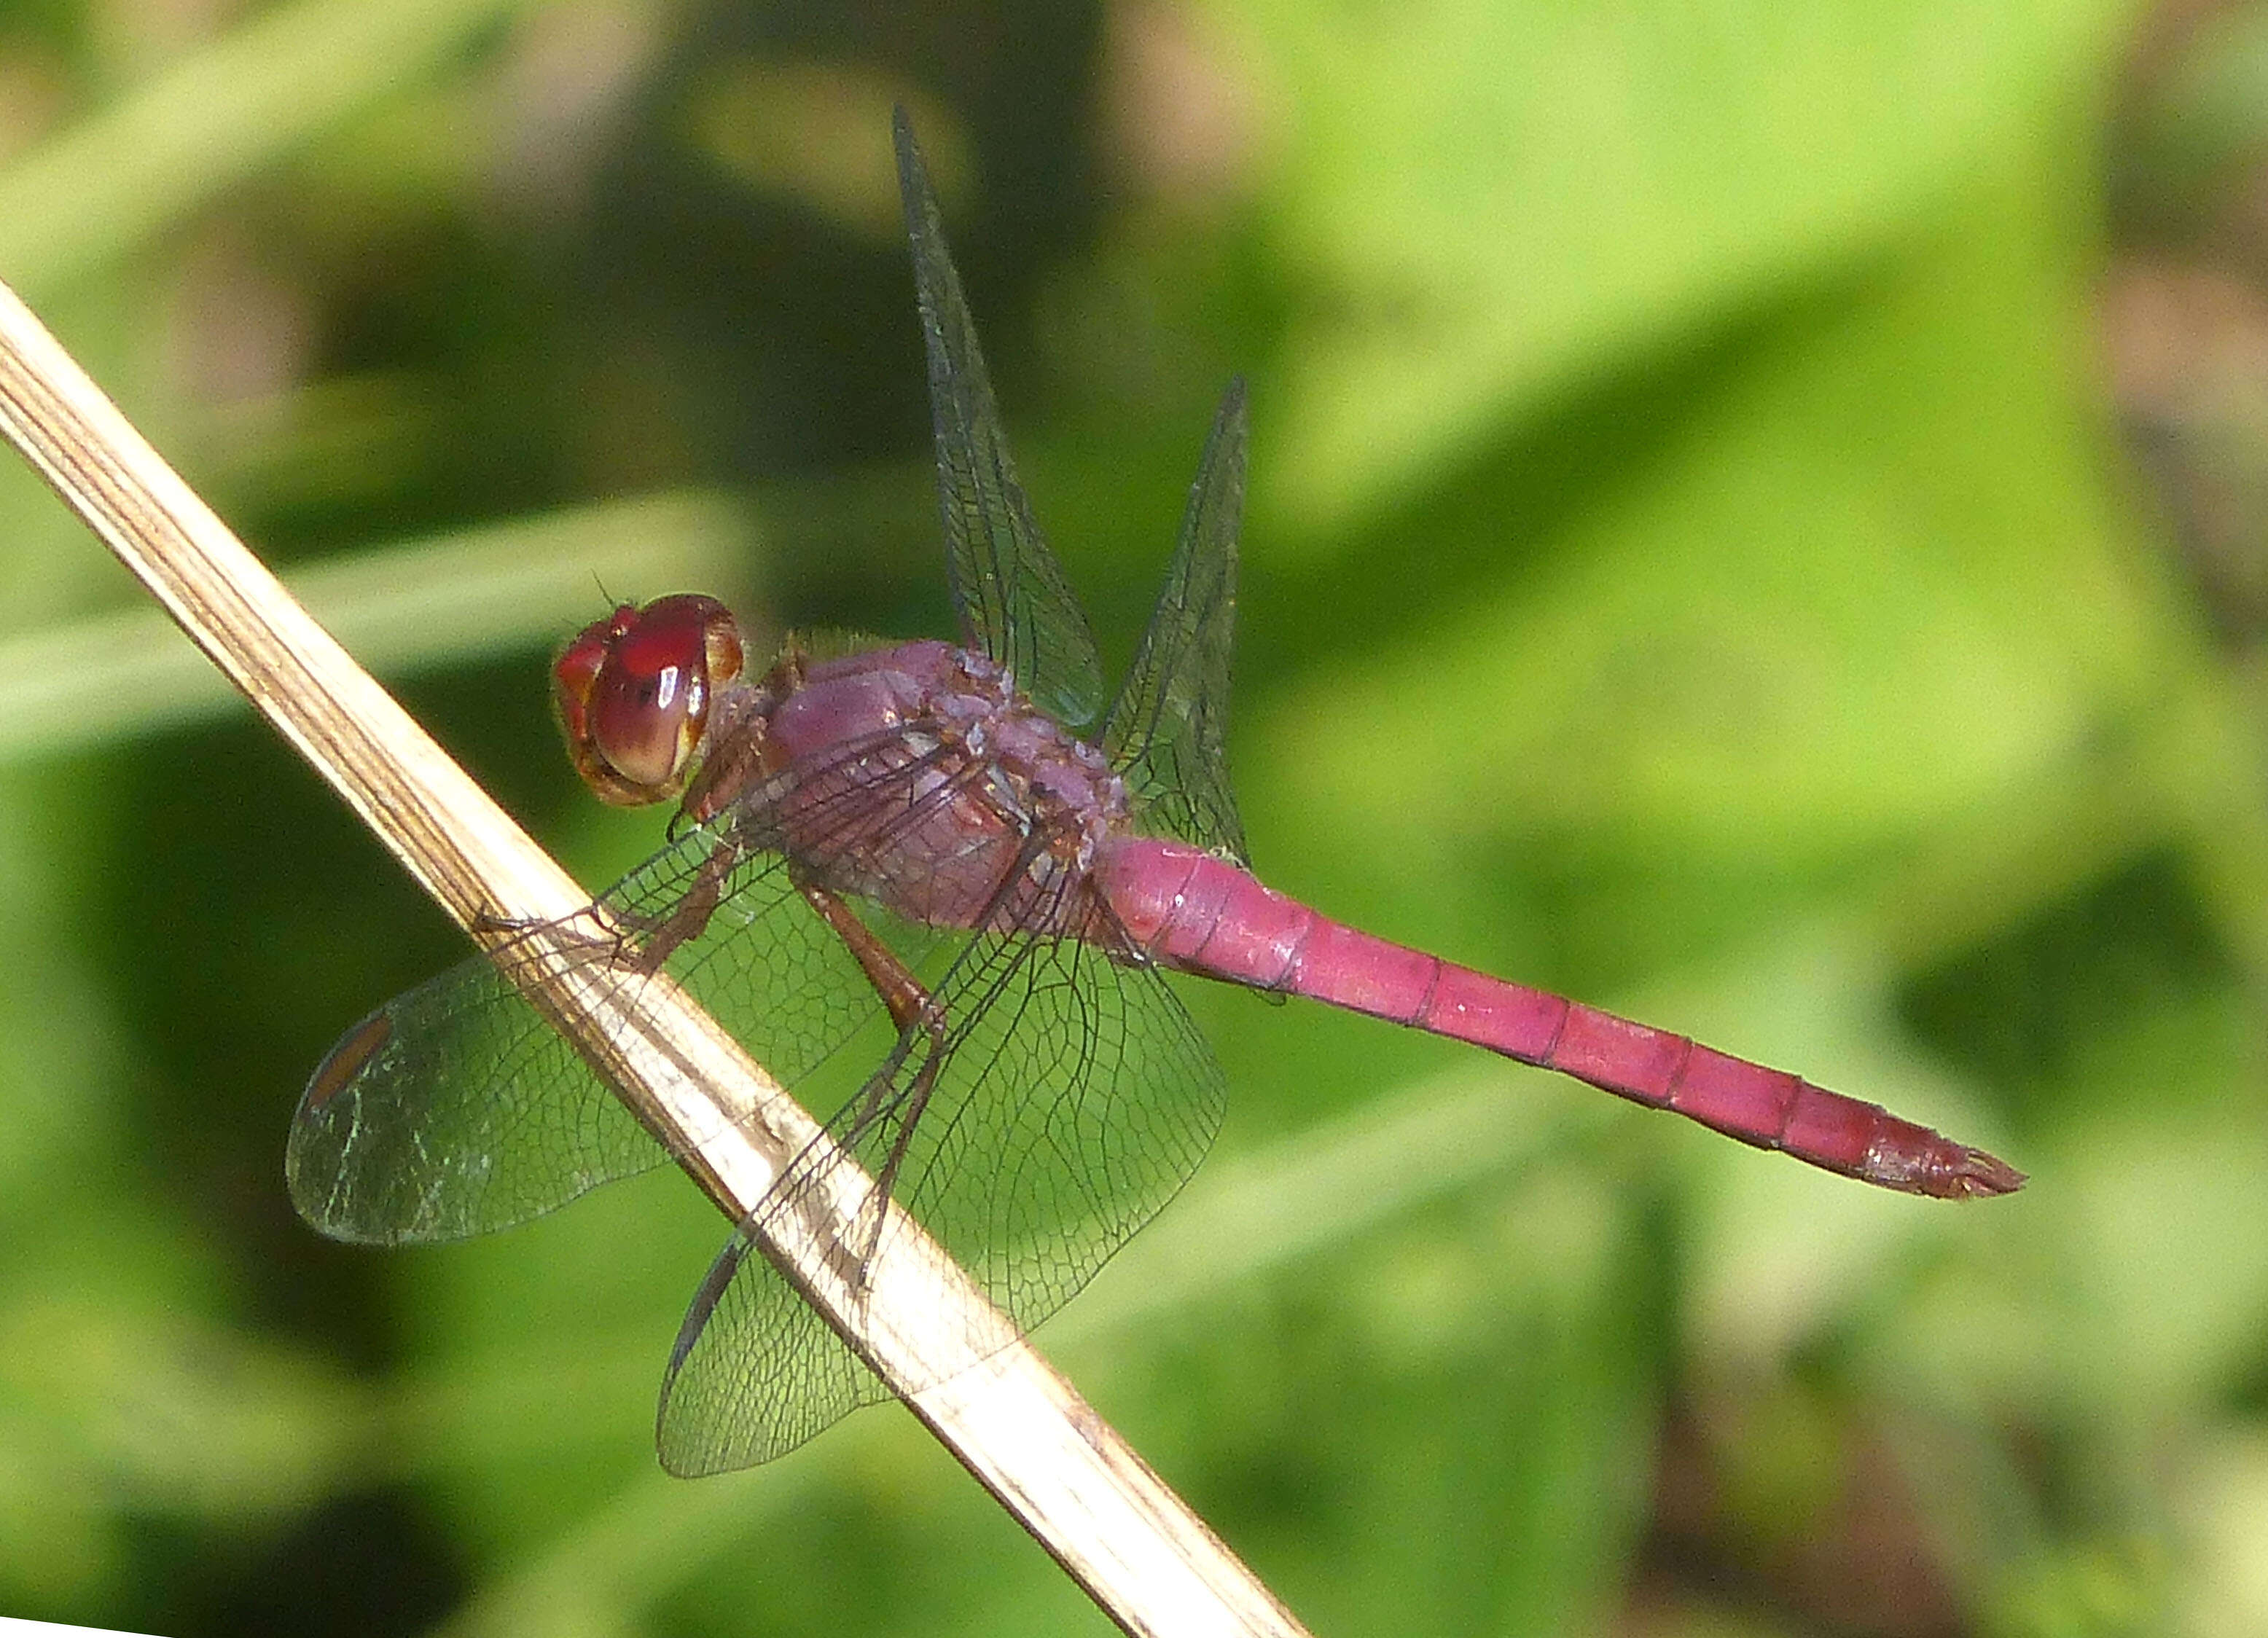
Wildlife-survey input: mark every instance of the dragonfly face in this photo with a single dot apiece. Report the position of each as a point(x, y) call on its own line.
point(634, 692)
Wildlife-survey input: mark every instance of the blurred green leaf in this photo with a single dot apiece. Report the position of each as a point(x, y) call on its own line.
point(1828, 615)
point(212, 119)
point(1492, 203)
point(399, 608)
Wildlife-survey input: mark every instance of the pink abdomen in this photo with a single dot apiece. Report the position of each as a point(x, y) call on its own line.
point(1202, 915)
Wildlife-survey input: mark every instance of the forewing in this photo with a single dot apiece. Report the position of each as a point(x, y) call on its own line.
point(455, 1109)
point(1014, 603)
point(1074, 1097)
point(1168, 731)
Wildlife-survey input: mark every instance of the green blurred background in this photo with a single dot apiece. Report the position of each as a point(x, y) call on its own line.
point(1759, 519)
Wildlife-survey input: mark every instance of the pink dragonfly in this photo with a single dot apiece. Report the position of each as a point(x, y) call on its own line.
point(921, 895)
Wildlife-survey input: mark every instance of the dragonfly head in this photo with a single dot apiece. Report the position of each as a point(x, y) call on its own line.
point(633, 691)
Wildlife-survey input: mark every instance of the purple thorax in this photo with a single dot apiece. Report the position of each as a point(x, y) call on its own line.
point(978, 782)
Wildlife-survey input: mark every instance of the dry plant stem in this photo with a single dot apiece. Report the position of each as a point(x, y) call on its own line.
point(1146, 1559)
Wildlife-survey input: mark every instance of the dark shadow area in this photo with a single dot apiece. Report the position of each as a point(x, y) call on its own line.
point(2025, 1012)
point(374, 1564)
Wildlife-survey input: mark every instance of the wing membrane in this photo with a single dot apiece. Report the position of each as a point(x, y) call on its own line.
point(1014, 603)
point(1168, 731)
point(456, 1109)
point(451, 1111)
point(1074, 1097)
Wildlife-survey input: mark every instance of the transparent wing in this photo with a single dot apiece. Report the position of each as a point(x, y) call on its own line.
point(1073, 1096)
point(455, 1109)
point(1168, 731)
point(1014, 601)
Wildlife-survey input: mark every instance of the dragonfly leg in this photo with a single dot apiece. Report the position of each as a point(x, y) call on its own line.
point(916, 1013)
point(520, 945)
point(903, 994)
point(486, 922)
point(660, 936)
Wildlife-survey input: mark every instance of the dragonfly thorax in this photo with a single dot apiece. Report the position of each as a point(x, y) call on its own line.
point(917, 775)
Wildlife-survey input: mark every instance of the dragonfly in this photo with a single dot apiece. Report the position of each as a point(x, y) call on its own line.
point(939, 887)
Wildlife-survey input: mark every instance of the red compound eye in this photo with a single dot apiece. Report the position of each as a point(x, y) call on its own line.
point(633, 691)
